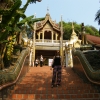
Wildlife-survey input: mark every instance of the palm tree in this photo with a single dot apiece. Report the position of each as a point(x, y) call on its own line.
point(97, 17)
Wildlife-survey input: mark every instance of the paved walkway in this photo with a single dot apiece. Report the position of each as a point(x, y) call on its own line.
point(36, 85)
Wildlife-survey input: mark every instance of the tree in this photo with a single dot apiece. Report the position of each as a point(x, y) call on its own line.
point(9, 27)
point(67, 28)
point(97, 17)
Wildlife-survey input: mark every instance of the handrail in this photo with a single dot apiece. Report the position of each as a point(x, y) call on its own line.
point(19, 69)
point(82, 66)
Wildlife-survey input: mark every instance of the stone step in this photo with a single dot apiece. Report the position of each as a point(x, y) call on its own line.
point(84, 96)
point(36, 85)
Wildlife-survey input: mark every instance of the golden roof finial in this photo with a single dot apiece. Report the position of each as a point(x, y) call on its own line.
point(47, 10)
point(72, 27)
point(73, 32)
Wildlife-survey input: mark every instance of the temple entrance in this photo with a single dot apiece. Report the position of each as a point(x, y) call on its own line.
point(47, 54)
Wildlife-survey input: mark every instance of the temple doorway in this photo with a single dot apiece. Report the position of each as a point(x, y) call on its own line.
point(47, 54)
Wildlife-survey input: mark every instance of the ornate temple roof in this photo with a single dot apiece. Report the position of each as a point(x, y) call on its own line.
point(41, 24)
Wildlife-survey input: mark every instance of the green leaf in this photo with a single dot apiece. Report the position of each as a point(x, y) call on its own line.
point(3, 41)
point(30, 20)
point(9, 28)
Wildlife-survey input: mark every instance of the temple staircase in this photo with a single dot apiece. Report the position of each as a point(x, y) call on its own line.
point(36, 85)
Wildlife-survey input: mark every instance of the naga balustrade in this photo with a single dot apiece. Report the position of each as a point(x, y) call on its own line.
point(9, 78)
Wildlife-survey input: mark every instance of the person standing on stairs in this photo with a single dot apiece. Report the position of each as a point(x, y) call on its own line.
point(36, 62)
point(41, 61)
point(56, 78)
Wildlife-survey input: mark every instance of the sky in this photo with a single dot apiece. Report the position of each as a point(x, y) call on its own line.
point(80, 11)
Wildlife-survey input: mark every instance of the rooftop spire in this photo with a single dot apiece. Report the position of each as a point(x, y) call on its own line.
point(73, 32)
point(72, 27)
point(73, 35)
point(47, 10)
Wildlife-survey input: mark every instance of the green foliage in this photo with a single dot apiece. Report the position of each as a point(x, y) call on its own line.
point(8, 14)
point(67, 28)
point(9, 20)
point(34, 1)
point(30, 20)
point(27, 19)
point(94, 59)
point(67, 31)
point(91, 30)
point(97, 17)
point(9, 26)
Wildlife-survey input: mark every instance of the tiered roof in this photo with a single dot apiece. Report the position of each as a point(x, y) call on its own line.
point(41, 24)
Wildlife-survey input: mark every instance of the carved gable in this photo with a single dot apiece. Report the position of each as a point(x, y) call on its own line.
point(48, 26)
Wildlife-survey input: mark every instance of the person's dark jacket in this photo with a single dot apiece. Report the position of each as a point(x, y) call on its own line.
point(57, 60)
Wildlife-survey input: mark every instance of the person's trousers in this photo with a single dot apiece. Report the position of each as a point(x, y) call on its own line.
point(41, 63)
point(56, 78)
point(36, 65)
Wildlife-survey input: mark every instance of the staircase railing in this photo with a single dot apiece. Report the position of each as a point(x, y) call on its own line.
point(10, 78)
point(83, 68)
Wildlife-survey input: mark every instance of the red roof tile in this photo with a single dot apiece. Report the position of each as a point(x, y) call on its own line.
point(93, 39)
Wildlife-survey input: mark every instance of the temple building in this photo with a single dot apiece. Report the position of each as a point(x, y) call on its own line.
point(47, 38)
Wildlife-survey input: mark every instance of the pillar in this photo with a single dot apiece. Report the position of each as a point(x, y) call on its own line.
point(43, 36)
point(66, 55)
point(33, 51)
point(52, 36)
point(70, 55)
point(56, 36)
